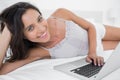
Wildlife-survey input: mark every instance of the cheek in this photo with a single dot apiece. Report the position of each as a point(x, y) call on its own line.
point(30, 36)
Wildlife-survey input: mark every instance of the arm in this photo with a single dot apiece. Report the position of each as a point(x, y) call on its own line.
point(34, 54)
point(5, 38)
point(66, 14)
point(10, 66)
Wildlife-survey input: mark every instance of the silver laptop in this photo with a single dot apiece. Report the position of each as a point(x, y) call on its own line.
point(87, 71)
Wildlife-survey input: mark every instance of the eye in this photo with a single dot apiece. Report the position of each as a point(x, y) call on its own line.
point(40, 19)
point(30, 28)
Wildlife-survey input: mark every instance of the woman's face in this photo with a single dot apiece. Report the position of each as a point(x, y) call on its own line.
point(35, 27)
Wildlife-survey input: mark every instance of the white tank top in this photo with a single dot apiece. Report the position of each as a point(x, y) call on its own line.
point(74, 44)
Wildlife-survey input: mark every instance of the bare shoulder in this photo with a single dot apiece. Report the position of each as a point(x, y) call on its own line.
point(62, 13)
point(58, 12)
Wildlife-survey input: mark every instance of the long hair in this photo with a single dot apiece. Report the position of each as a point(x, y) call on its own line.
point(12, 17)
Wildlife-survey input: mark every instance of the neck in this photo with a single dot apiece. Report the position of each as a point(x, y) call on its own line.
point(51, 43)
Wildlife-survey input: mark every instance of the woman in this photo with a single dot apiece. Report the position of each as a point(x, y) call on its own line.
point(31, 37)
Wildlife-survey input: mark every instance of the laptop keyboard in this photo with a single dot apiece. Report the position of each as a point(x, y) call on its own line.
point(87, 70)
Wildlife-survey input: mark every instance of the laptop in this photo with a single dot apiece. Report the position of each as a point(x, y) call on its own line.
point(88, 71)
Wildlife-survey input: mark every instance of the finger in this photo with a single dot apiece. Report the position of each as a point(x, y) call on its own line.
point(95, 61)
point(88, 59)
point(101, 60)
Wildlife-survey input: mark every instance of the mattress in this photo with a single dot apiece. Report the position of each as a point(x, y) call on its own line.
point(44, 70)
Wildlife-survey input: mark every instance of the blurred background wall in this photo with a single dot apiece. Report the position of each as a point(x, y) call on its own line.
point(110, 8)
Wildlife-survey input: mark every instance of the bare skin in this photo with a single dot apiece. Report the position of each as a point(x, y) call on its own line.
point(111, 38)
point(51, 29)
point(5, 37)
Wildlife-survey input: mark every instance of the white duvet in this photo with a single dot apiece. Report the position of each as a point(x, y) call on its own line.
point(43, 70)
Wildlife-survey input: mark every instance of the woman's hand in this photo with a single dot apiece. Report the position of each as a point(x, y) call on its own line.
point(97, 60)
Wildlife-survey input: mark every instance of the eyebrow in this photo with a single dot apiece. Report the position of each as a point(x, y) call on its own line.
point(32, 24)
point(38, 17)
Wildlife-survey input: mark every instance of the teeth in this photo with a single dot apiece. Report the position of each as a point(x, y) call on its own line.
point(43, 35)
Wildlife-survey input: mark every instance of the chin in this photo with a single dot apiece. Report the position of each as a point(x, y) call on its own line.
point(46, 40)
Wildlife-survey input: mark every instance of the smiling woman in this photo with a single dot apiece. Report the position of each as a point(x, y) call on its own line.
point(19, 43)
point(62, 35)
point(35, 27)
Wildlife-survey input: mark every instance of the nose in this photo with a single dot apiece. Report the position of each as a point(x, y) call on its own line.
point(41, 29)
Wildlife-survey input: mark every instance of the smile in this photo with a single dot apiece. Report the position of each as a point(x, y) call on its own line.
point(43, 35)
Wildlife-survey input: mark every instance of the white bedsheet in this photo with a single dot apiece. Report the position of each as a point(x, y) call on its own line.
point(43, 70)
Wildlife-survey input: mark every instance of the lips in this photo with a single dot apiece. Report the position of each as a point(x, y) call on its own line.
point(43, 35)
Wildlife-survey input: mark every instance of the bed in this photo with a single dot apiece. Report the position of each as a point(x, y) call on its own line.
point(44, 69)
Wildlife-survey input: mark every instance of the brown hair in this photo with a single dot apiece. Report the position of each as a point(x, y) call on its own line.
point(12, 17)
